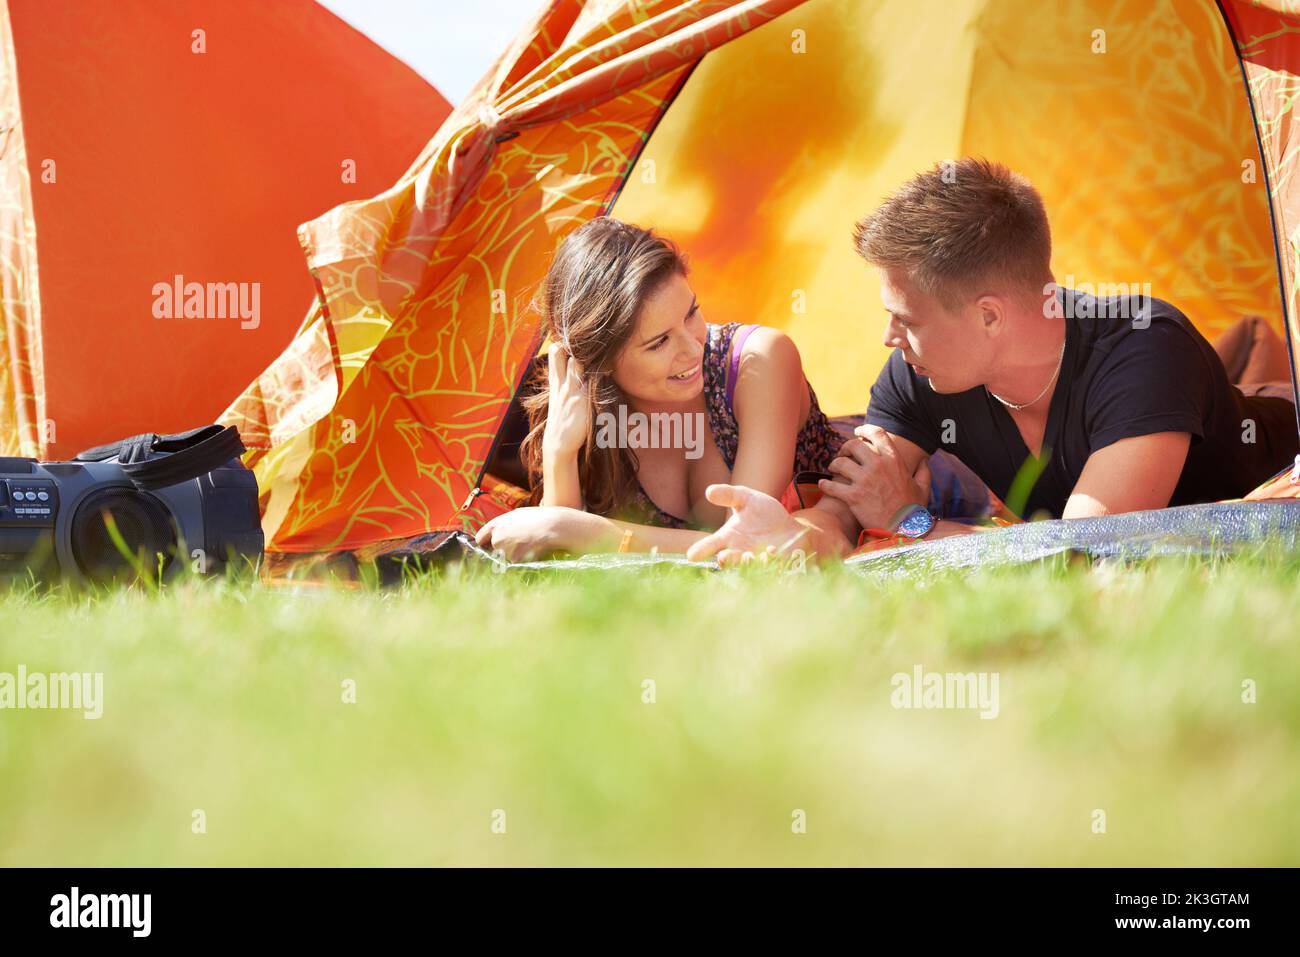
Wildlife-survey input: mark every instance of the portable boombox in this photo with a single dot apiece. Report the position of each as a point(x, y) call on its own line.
point(150, 504)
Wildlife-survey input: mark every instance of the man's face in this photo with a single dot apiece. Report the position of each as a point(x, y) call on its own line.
point(945, 347)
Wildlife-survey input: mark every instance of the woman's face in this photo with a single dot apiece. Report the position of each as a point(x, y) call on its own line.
point(663, 359)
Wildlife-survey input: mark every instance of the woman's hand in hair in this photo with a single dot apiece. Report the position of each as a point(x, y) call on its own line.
point(568, 414)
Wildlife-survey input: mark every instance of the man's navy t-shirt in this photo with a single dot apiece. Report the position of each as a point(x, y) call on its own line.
point(1132, 366)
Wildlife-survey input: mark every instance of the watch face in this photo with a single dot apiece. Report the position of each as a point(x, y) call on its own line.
point(918, 522)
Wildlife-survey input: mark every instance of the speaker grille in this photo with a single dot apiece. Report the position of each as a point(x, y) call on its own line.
point(143, 522)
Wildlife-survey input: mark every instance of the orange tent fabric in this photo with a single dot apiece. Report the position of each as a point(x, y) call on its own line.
point(1130, 116)
point(22, 396)
point(376, 422)
point(133, 156)
point(379, 417)
point(1267, 34)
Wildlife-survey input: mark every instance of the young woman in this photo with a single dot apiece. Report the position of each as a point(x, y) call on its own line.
point(627, 330)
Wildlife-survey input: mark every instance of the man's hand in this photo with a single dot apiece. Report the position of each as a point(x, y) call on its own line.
point(874, 478)
point(758, 525)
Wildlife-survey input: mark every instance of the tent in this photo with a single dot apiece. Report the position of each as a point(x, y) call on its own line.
point(755, 132)
point(144, 141)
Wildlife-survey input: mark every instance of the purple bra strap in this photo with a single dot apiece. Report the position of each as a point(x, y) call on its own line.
point(737, 346)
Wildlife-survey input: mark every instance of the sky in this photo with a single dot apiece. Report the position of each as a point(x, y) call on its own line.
point(451, 43)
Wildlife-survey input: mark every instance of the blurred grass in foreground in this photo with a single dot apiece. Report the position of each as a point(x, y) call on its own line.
point(1120, 687)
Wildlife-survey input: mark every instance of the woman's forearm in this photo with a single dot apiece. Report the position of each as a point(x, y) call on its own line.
point(645, 538)
point(823, 534)
point(560, 484)
point(595, 533)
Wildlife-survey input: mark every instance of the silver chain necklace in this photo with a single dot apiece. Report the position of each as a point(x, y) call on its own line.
point(1050, 382)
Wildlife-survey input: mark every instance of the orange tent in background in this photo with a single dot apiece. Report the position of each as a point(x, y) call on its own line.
point(1131, 116)
point(136, 150)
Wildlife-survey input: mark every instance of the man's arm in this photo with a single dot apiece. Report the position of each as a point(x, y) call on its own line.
point(1143, 409)
point(1129, 475)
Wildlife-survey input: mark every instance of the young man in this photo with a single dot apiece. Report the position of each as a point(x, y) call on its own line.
point(1119, 400)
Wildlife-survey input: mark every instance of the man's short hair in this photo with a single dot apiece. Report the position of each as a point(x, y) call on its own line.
point(961, 225)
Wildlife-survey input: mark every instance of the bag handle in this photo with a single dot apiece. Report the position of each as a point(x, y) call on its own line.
point(187, 455)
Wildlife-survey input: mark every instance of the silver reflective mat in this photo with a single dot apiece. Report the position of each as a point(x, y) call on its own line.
point(1218, 529)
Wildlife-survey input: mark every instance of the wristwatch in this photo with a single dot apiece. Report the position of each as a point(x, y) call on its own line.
point(913, 521)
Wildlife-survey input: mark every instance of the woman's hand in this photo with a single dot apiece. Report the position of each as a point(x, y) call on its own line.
point(568, 414)
point(529, 533)
point(758, 525)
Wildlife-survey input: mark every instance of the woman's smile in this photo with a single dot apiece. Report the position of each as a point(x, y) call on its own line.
point(690, 375)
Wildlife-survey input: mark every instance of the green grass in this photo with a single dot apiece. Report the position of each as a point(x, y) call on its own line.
point(1120, 690)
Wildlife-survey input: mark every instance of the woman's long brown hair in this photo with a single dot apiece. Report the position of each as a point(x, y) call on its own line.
point(589, 303)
